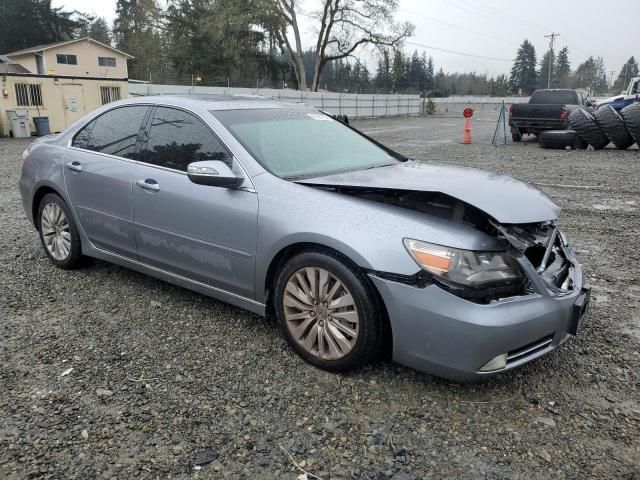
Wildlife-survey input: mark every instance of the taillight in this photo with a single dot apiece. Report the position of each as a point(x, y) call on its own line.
point(563, 112)
point(510, 108)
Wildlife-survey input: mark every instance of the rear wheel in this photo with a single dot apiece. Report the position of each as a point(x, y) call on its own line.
point(327, 311)
point(58, 232)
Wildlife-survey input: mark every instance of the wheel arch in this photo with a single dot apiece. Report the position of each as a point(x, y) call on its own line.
point(37, 198)
point(293, 249)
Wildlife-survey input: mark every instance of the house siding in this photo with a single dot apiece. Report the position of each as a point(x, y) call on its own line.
point(64, 99)
point(87, 53)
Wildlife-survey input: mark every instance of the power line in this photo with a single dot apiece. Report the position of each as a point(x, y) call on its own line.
point(459, 53)
point(499, 13)
point(472, 8)
point(422, 45)
point(502, 39)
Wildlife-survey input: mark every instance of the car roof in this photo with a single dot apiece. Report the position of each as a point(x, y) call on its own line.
point(214, 102)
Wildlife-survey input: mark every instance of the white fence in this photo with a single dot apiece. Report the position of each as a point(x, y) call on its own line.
point(482, 105)
point(350, 104)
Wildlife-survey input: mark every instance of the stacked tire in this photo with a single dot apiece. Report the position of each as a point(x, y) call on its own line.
point(613, 126)
point(588, 129)
point(631, 116)
point(607, 125)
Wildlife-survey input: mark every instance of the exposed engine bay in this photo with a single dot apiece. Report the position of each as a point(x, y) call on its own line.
point(541, 243)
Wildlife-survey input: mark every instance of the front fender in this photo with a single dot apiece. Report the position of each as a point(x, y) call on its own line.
point(369, 234)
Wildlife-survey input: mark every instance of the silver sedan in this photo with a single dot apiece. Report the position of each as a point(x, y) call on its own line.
point(285, 210)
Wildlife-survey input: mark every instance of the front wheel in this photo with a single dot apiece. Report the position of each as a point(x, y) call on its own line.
point(328, 311)
point(58, 232)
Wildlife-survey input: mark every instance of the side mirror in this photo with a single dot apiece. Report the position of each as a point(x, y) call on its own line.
point(212, 172)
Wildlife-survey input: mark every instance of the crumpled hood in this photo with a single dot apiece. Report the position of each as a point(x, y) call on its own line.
point(505, 199)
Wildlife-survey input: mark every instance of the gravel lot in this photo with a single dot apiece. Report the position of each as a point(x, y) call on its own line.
point(161, 378)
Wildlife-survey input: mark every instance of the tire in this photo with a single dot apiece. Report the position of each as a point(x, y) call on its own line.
point(558, 139)
point(58, 232)
point(516, 137)
point(300, 320)
point(612, 124)
point(587, 128)
point(579, 143)
point(631, 116)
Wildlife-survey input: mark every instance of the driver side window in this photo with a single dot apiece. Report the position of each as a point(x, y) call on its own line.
point(178, 138)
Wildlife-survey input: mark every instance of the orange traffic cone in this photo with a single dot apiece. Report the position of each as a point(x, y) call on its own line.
point(467, 132)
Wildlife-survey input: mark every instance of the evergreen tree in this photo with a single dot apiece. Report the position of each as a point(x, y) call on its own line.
point(561, 74)
point(94, 27)
point(440, 84)
point(628, 71)
point(399, 71)
point(416, 73)
point(500, 87)
point(543, 73)
point(382, 78)
point(523, 74)
point(591, 75)
point(226, 42)
point(27, 23)
point(135, 31)
point(429, 81)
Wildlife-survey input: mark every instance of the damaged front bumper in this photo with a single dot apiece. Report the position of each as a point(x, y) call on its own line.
point(443, 334)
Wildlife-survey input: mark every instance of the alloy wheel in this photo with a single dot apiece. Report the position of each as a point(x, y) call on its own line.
point(55, 231)
point(320, 313)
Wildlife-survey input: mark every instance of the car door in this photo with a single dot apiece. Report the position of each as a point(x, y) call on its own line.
point(204, 233)
point(98, 175)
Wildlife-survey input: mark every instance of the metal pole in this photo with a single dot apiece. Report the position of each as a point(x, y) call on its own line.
point(553, 37)
point(504, 121)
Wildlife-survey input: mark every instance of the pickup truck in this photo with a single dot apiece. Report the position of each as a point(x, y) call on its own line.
point(629, 96)
point(547, 110)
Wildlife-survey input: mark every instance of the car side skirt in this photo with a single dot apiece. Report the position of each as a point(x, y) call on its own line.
point(184, 282)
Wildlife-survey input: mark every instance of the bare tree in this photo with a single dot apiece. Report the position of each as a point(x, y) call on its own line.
point(343, 27)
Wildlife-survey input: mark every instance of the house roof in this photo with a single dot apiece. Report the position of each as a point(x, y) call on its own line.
point(40, 48)
point(9, 66)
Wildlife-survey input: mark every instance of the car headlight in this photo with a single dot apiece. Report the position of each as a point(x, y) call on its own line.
point(466, 268)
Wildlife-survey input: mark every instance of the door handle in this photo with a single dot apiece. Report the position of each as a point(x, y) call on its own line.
point(148, 184)
point(75, 166)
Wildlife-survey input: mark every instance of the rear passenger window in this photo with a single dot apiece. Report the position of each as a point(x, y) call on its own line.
point(114, 132)
point(177, 138)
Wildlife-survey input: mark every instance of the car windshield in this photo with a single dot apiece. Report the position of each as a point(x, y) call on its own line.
point(555, 97)
point(302, 143)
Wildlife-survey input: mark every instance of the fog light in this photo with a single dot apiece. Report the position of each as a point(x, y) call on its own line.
point(496, 363)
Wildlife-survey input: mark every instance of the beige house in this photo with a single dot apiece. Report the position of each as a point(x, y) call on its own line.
point(62, 81)
point(82, 57)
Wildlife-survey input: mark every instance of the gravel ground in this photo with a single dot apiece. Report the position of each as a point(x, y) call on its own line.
point(108, 373)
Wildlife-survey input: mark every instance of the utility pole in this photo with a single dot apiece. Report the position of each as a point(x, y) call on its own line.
point(552, 38)
point(611, 79)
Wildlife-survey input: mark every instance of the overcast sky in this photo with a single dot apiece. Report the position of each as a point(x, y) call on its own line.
point(495, 29)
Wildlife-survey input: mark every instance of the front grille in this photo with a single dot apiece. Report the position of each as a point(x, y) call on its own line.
point(529, 350)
